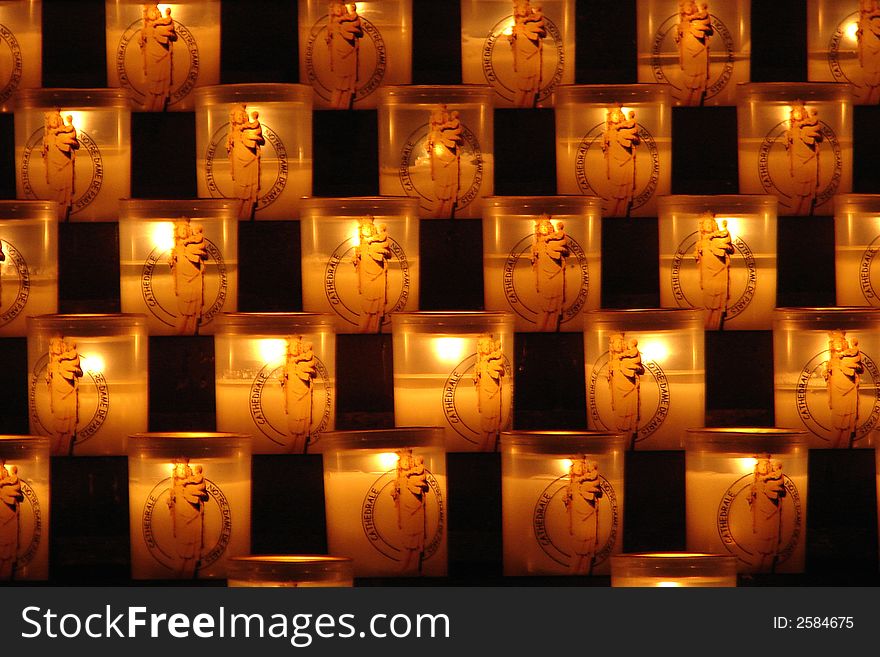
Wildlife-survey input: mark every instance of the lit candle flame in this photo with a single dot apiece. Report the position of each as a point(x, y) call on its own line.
point(94, 363)
point(163, 236)
point(746, 465)
point(272, 350)
point(733, 226)
point(450, 350)
point(654, 350)
point(851, 30)
point(386, 461)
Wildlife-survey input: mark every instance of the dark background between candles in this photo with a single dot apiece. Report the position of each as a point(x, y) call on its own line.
point(89, 515)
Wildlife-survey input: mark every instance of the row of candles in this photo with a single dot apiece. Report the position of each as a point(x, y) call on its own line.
point(387, 505)
point(278, 371)
point(436, 144)
point(275, 377)
point(160, 52)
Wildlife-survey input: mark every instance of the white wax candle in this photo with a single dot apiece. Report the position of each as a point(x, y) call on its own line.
point(767, 534)
point(193, 55)
point(807, 175)
point(500, 48)
point(285, 163)
point(87, 185)
point(363, 523)
point(543, 536)
point(382, 31)
point(192, 537)
point(24, 519)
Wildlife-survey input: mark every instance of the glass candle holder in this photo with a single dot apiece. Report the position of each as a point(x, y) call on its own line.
point(542, 259)
point(385, 499)
point(826, 378)
point(746, 495)
point(159, 53)
point(856, 240)
point(843, 44)
point(21, 45)
point(87, 381)
point(254, 147)
point(796, 143)
point(189, 503)
point(561, 501)
point(24, 514)
point(178, 262)
point(718, 254)
point(645, 374)
point(615, 142)
point(289, 571)
point(28, 263)
point(522, 49)
point(276, 378)
point(436, 145)
point(673, 569)
point(454, 370)
point(360, 259)
point(73, 146)
point(702, 49)
point(348, 50)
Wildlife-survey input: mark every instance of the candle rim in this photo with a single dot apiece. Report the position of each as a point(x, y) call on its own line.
point(383, 439)
point(252, 92)
point(171, 209)
point(791, 91)
point(90, 322)
point(746, 440)
point(449, 94)
point(334, 207)
point(562, 443)
point(478, 321)
point(271, 324)
point(16, 210)
point(71, 98)
point(545, 204)
point(611, 94)
point(283, 567)
point(826, 317)
point(719, 204)
point(673, 564)
point(842, 203)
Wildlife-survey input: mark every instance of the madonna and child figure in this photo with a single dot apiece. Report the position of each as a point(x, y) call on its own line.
point(344, 32)
point(300, 371)
point(59, 147)
point(549, 250)
point(692, 36)
point(371, 256)
point(581, 500)
point(802, 141)
point(620, 140)
point(444, 146)
point(765, 502)
point(625, 370)
point(408, 492)
point(189, 494)
point(63, 373)
point(527, 42)
point(187, 261)
point(244, 148)
point(842, 376)
point(157, 43)
point(712, 254)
